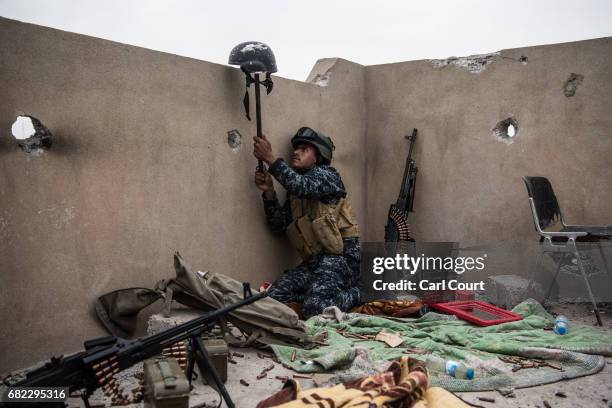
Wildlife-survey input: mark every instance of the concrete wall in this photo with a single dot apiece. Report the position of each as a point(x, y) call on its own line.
point(469, 186)
point(140, 168)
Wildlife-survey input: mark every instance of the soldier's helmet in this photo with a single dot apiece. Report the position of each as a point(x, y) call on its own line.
point(253, 56)
point(322, 143)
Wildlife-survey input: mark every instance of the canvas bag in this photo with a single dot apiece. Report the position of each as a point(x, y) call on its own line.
point(266, 321)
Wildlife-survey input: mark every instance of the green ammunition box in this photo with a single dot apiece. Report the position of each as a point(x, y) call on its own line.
point(218, 352)
point(166, 385)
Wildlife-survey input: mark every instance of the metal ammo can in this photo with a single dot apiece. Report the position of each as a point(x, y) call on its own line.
point(218, 351)
point(166, 385)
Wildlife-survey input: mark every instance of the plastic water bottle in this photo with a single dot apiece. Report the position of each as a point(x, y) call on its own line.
point(450, 367)
point(561, 325)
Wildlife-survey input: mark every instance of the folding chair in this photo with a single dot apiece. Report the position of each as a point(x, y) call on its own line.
point(562, 239)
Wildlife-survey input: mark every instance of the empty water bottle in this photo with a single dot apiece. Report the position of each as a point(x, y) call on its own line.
point(561, 325)
point(450, 367)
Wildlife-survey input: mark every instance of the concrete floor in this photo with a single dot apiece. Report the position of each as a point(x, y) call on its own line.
point(590, 391)
point(247, 368)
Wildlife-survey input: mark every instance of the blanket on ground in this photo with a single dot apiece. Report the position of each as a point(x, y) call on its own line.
point(578, 353)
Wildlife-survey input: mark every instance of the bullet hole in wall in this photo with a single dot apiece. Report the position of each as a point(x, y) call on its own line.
point(571, 84)
point(506, 130)
point(511, 130)
point(32, 136)
point(234, 140)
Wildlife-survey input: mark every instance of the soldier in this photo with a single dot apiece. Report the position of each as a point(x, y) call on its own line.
point(318, 220)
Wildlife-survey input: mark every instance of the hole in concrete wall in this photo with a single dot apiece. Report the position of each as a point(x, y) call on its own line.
point(321, 79)
point(511, 130)
point(23, 128)
point(234, 140)
point(506, 130)
point(31, 135)
point(570, 86)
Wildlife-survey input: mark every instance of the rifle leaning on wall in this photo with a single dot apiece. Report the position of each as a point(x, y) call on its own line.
point(397, 228)
point(106, 356)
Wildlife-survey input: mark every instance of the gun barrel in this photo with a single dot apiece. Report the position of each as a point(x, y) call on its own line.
point(412, 138)
point(403, 199)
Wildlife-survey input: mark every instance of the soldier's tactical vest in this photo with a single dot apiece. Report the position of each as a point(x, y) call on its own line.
point(319, 227)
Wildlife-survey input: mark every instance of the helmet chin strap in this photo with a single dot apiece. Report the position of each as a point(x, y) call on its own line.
point(267, 83)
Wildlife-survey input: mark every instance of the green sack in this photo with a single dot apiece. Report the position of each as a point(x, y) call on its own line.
point(265, 322)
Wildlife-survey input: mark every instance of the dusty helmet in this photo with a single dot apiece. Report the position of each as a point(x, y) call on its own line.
point(322, 143)
point(253, 56)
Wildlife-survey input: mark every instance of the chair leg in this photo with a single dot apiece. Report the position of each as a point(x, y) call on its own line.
point(587, 284)
point(552, 284)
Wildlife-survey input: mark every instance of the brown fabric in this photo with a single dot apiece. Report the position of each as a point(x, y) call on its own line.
point(287, 393)
point(395, 308)
point(297, 308)
point(404, 382)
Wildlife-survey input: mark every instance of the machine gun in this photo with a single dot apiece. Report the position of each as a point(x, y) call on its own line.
point(397, 228)
point(104, 357)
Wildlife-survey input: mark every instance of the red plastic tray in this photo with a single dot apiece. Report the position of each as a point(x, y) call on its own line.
point(478, 312)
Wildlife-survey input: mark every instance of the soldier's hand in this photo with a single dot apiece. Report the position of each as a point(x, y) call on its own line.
point(262, 149)
point(263, 181)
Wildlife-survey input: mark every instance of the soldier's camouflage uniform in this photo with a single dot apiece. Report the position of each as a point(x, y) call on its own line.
point(324, 279)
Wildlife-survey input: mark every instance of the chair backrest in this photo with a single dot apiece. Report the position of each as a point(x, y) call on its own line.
point(544, 200)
